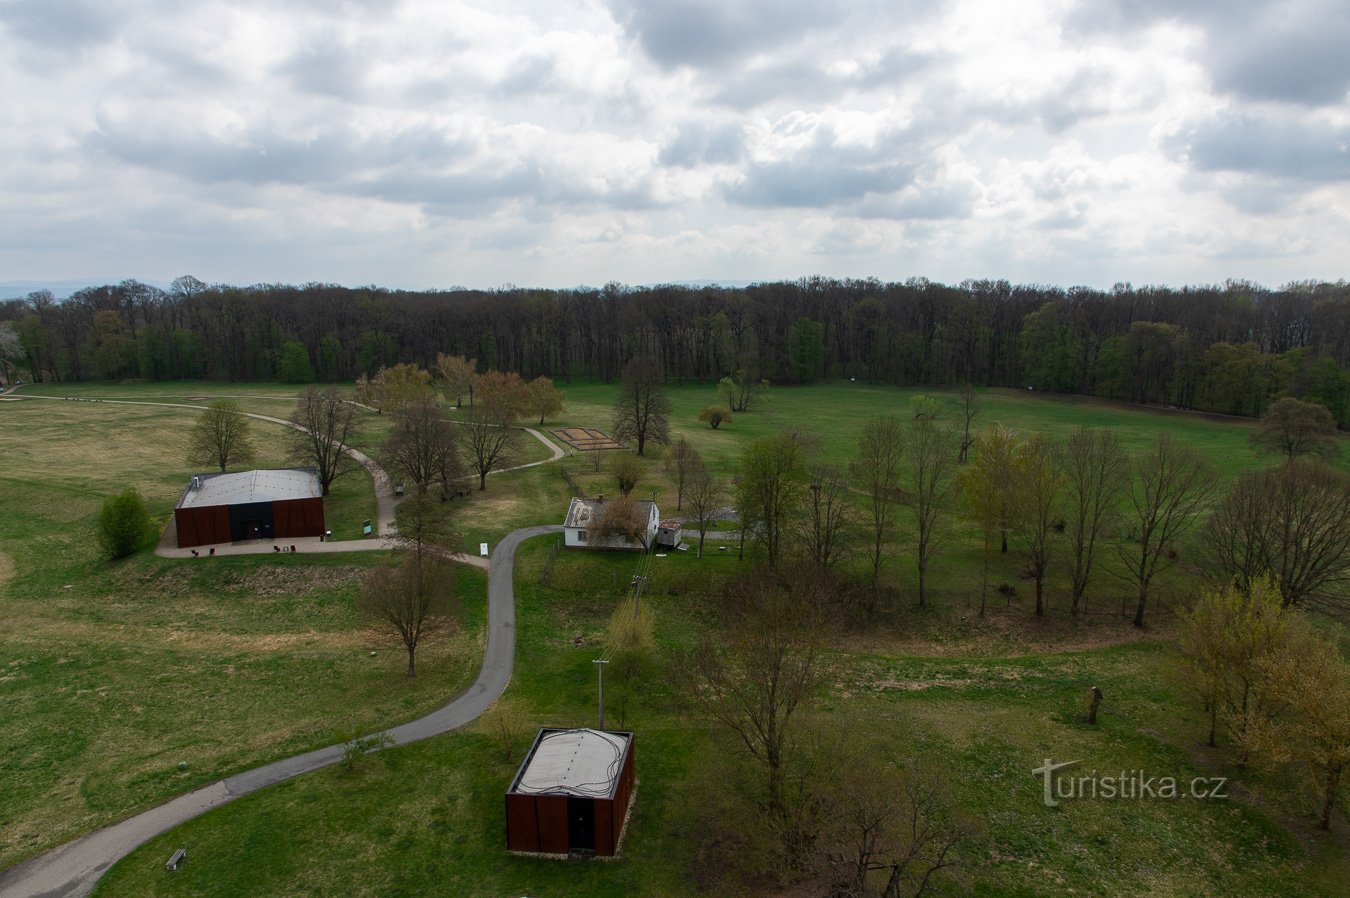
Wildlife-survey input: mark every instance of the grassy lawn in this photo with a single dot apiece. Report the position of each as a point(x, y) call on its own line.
point(139, 665)
point(428, 818)
point(110, 674)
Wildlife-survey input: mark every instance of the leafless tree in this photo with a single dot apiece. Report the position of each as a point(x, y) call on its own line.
point(877, 469)
point(627, 470)
point(642, 411)
point(1292, 522)
point(680, 464)
point(1037, 485)
point(967, 410)
point(410, 598)
point(622, 519)
point(1096, 470)
point(828, 516)
point(323, 422)
point(928, 469)
point(706, 495)
point(742, 388)
point(457, 374)
point(1171, 484)
point(421, 447)
point(755, 673)
point(771, 489)
point(221, 437)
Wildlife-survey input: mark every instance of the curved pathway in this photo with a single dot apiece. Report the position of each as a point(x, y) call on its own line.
point(73, 869)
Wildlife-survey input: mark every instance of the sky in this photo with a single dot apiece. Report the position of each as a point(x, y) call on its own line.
point(566, 142)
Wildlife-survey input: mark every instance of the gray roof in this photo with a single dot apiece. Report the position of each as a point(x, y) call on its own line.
point(581, 511)
point(585, 763)
point(251, 486)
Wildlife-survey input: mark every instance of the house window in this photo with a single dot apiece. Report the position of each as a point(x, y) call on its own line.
point(581, 536)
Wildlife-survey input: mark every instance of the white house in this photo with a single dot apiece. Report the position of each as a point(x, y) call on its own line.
point(584, 515)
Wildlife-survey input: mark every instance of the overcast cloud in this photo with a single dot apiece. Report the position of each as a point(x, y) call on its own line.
point(561, 142)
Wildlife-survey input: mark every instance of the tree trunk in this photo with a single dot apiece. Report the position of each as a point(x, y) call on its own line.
point(1329, 797)
point(1040, 591)
point(923, 570)
point(1213, 723)
point(411, 652)
point(1139, 610)
point(1004, 549)
point(482, 480)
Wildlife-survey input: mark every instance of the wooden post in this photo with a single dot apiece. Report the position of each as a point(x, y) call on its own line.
point(1096, 703)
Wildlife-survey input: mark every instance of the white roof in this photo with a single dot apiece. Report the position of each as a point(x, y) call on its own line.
point(580, 511)
point(586, 763)
point(251, 486)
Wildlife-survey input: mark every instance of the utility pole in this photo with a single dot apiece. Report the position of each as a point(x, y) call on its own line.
point(600, 669)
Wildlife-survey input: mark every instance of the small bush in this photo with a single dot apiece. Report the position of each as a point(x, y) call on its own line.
point(715, 416)
point(123, 524)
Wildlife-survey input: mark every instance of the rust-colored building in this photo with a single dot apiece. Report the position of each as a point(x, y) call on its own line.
point(571, 793)
point(224, 508)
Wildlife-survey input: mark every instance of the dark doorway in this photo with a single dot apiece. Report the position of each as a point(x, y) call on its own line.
point(580, 824)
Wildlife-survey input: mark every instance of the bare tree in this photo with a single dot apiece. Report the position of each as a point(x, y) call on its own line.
point(11, 350)
point(1171, 484)
point(757, 672)
point(1291, 521)
point(986, 487)
point(491, 440)
point(421, 447)
point(742, 388)
point(221, 437)
point(1037, 484)
point(715, 416)
point(619, 521)
point(928, 469)
point(877, 468)
point(410, 598)
point(322, 423)
point(1096, 470)
point(642, 411)
point(828, 516)
point(967, 410)
point(457, 374)
point(680, 464)
point(1293, 429)
point(706, 495)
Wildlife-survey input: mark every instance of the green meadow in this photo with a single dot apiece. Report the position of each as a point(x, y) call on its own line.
point(110, 674)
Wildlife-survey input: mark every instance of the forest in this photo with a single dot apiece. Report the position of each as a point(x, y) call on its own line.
point(1228, 349)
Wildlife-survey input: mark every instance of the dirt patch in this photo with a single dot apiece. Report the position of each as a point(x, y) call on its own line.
point(587, 439)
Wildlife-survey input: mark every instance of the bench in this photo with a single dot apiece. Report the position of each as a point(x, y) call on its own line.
point(178, 857)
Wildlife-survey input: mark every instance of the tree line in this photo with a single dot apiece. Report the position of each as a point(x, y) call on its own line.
point(1230, 348)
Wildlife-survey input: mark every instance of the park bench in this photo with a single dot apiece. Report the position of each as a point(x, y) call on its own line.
point(178, 857)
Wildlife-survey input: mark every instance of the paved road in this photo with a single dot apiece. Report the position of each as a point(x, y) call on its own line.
point(71, 870)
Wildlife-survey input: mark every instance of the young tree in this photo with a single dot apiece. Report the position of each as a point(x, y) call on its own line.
point(967, 410)
point(491, 440)
point(828, 516)
point(642, 411)
point(715, 416)
point(986, 485)
point(680, 464)
point(706, 495)
point(1037, 484)
point(1291, 521)
point(877, 469)
point(123, 524)
point(221, 436)
point(410, 598)
point(322, 423)
point(545, 398)
point(1095, 469)
point(769, 495)
point(1171, 484)
point(1293, 429)
point(457, 374)
point(627, 470)
point(753, 674)
point(1310, 678)
point(393, 388)
point(741, 388)
point(421, 446)
point(927, 467)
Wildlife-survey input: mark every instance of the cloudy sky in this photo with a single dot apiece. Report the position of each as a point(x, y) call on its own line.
point(565, 142)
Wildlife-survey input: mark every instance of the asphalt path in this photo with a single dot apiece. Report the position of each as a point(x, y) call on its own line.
point(71, 870)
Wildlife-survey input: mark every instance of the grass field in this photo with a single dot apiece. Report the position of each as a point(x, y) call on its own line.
point(984, 701)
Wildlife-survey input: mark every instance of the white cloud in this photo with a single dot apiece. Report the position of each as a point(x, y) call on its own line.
point(476, 142)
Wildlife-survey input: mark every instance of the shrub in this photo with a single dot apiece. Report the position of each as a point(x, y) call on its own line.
point(715, 415)
point(123, 524)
